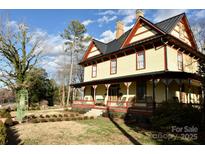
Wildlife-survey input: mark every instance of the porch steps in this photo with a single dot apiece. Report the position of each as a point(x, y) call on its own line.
point(94, 113)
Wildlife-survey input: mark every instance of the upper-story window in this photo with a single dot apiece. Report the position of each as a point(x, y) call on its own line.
point(141, 60)
point(113, 66)
point(180, 61)
point(94, 71)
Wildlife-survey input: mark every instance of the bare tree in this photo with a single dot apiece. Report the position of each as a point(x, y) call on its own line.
point(199, 33)
point(19, 52)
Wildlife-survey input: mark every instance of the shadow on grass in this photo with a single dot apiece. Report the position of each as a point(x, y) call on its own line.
point(142, 125)
point(13, 136)
point(132, 139)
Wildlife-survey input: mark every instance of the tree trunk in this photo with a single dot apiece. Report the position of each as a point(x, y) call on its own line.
point(63, 95)
point(70, 79)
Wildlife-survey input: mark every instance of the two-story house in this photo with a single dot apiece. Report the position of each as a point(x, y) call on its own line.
point(148, 64)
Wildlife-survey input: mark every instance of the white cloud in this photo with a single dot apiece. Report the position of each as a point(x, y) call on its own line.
point(106, 19)
point(197, 15)
point(107, 36)
point(87, 22)
point(128, 16)
point(107, 12)
point(164, 14)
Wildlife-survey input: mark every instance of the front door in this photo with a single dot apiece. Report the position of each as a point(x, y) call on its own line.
point(113, 92)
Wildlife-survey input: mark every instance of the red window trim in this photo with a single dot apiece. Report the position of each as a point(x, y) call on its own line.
point(180, 53)
point(111, 66)
point(165, 58)
point(143, 51)
point(92, 71)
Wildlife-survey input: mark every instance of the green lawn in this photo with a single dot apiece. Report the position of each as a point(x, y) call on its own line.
point(97, 131)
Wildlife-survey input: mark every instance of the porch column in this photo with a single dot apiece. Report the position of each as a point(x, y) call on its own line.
point(179, 82)
point(167, 82)
point(127, 84)
point(189, 82)
point(107, 93)
point(83, 89)
point(153, 93)
point(94, 87)
point(180, 91)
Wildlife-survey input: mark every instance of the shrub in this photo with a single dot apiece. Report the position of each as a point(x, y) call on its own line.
point(5, 113)
point(8, 122)
point(72, 115)
point(67, 119)
point(35, 120)
point(52, 120)
point(47, 116)
point(32, 117)
point(41, 116)
point(54, 116)
point(79, 118)
point(72, 118)
point(59, 119)
point(65, 115)
point(43, 120)
point(92, 117)
point(85, 117)
point(60, 115)
point(175, 114)
point(3, 135)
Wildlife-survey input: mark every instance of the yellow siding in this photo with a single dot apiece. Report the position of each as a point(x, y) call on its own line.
point(190, 64)
point(94, 51)
point(175, 32)
point(126, 65)
point(142, 33)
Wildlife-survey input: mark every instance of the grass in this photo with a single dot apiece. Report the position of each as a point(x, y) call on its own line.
point(94, 131)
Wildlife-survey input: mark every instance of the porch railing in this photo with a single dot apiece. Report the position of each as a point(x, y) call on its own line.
point(117, 104)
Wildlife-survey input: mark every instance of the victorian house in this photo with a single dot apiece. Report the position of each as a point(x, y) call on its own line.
point(149, 64)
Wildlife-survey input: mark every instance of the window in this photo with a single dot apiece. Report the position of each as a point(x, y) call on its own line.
point(180, 61)
point(113, 66)
point(141, 90)
point(94, 71)
point(141, 60)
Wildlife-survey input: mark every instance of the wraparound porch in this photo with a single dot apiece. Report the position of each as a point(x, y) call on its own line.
point(140, 94)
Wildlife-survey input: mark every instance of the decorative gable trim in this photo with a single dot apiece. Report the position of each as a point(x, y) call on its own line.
point(190, 34)
point(88, 51)
point(137, 25)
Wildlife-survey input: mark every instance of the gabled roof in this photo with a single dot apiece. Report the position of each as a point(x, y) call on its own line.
point(113, 45)
point(164, 27)
point(168, 24)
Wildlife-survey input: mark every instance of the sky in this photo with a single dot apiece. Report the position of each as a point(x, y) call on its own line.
point(100, 24)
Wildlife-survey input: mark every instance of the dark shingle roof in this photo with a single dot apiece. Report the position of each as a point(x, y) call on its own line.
point(113, 45)
point(168, 24)
point(165, 25)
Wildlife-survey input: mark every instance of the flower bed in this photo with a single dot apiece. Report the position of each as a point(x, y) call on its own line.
point(55, 117)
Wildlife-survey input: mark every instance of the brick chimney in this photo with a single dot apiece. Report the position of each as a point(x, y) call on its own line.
point(139, 13)
point(119, 29)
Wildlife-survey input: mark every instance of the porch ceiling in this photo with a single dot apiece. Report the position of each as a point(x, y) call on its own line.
point(143, 76)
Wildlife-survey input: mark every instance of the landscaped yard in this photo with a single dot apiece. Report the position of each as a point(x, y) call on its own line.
point(97, 131)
